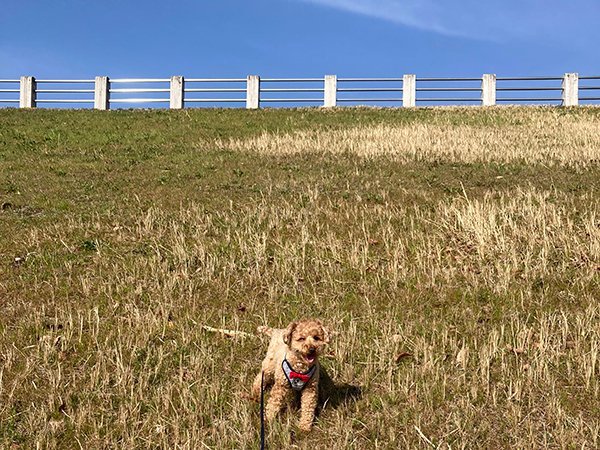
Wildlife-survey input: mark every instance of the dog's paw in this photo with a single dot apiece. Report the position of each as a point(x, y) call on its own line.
point(305, 427)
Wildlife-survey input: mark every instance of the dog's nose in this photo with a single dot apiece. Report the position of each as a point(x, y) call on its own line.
point(311, 350)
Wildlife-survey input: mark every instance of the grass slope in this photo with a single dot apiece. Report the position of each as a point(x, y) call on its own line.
point(456, 253)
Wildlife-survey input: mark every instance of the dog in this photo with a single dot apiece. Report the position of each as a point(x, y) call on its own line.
point(291, 366)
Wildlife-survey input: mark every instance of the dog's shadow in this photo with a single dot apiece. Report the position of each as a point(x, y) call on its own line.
point(334, 395)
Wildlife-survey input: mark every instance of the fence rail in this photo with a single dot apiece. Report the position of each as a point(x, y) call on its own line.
point(329, 91)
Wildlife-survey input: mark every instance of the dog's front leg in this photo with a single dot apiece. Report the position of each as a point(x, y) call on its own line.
point(308, 405)
point(279, 397)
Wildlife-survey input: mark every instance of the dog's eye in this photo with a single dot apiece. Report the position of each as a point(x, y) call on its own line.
point(316, 338)
point(301, 339)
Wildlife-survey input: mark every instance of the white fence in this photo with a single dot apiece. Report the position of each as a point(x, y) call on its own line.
point(178, 92)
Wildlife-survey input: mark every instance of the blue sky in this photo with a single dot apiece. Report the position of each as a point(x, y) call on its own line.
point(279, 38)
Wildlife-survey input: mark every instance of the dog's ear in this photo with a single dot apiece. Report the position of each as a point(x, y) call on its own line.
point(326, 332)
point(287, 333)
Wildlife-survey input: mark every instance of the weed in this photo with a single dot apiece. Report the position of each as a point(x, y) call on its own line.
point(455, 252)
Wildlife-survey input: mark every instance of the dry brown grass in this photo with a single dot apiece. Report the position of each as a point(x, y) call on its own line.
point(468, 318)
point(535, 136)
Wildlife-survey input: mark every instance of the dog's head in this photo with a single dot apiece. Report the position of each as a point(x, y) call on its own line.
point(306, 338)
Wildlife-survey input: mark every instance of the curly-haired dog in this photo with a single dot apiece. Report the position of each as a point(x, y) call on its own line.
point(292, 366)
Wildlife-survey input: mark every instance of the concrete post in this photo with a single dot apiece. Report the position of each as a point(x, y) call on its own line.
point(101, 93)
point(488, 89)
point(330, 99)
point(409, 90)
point(27, 92)
point(253, 92)
point(176, 92)
point(570, 89)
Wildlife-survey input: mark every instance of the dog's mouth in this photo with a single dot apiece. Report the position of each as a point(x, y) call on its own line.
point(311, 357)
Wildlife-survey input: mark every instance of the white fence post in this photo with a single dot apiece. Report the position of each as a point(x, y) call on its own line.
point(27, 92)
point(101, 93)
point(570, 89)
point(176, 92)
point(488, 89)
point(409, 90)
point(330, 98)
point(253, 92)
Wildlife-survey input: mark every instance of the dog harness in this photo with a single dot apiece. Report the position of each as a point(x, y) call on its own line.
point(297, 380)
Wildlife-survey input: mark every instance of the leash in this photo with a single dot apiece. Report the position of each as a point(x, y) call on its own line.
point(262, 411)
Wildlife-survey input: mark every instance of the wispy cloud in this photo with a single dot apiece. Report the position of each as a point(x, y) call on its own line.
point(424, 14)
point(483, 19)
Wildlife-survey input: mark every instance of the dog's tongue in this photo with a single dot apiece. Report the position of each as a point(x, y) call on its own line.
point(310, 359)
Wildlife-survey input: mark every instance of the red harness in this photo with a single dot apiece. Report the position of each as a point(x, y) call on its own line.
point(302, 376)
point(297, 380)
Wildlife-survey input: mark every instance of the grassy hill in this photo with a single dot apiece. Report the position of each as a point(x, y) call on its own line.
point(455, 253)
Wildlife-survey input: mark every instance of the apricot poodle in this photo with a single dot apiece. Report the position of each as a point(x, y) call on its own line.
point(291, 366)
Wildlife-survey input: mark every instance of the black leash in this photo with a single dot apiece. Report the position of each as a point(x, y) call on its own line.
point(262, 411)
